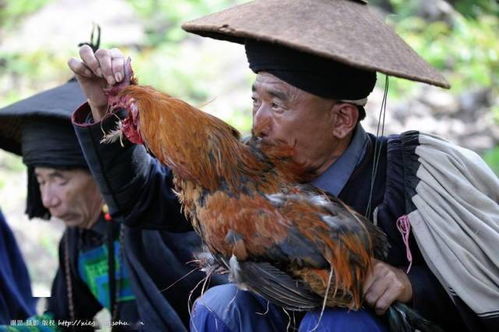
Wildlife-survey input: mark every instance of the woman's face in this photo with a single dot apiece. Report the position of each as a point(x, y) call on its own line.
point(70, 195)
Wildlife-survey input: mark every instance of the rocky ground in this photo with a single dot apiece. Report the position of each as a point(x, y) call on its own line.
point(464, 119)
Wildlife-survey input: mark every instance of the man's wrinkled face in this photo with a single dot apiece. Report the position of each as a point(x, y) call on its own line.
point(286, 113)
point(70, 195)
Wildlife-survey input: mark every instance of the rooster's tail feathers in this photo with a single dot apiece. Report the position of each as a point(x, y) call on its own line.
point(402, 318)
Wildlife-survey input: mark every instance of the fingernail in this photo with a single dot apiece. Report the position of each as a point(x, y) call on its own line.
point(110, 80)
point(99, 72)
point(118, 77)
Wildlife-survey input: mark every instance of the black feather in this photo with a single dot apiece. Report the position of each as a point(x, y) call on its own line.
point(273, 284)
point(402, 318)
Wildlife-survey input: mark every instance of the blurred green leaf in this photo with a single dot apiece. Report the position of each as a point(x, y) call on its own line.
point(466, 52)
point(491, 157)
point(476, 8)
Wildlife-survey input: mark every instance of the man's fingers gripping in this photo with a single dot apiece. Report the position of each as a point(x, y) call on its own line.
point(79, 68)
point(90, 61)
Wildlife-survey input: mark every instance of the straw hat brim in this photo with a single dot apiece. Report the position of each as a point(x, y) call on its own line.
point(57, 103)
point(347, 31)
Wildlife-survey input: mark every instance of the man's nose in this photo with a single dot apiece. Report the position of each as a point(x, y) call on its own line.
point(50, 197)
point(261, 122)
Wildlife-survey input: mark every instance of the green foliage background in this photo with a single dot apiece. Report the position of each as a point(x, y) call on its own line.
point(466, 50)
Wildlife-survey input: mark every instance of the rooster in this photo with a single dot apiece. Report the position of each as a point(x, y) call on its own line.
point(287, 241)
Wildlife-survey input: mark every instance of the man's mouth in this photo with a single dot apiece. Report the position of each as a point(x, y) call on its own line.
point(64, 217)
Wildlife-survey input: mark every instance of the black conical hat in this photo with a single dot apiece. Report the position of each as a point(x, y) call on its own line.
point(56, 103)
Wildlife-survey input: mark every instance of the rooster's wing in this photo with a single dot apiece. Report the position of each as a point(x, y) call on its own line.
point(291, 247)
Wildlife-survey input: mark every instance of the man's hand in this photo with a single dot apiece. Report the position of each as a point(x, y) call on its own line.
point(385, 285)
point(94, 72)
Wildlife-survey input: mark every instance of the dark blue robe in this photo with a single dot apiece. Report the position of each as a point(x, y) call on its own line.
point(16, 300)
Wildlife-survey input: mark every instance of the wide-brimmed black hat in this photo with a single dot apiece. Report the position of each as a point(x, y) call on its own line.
point(346, 31)
point(57, 103)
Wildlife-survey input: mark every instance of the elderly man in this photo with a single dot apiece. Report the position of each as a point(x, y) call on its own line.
point(95, 246)
point(316, 63)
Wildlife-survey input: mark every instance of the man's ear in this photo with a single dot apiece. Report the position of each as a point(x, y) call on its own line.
point(347, 116)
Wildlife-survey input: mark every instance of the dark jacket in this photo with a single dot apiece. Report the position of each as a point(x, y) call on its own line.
point(158, 242)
